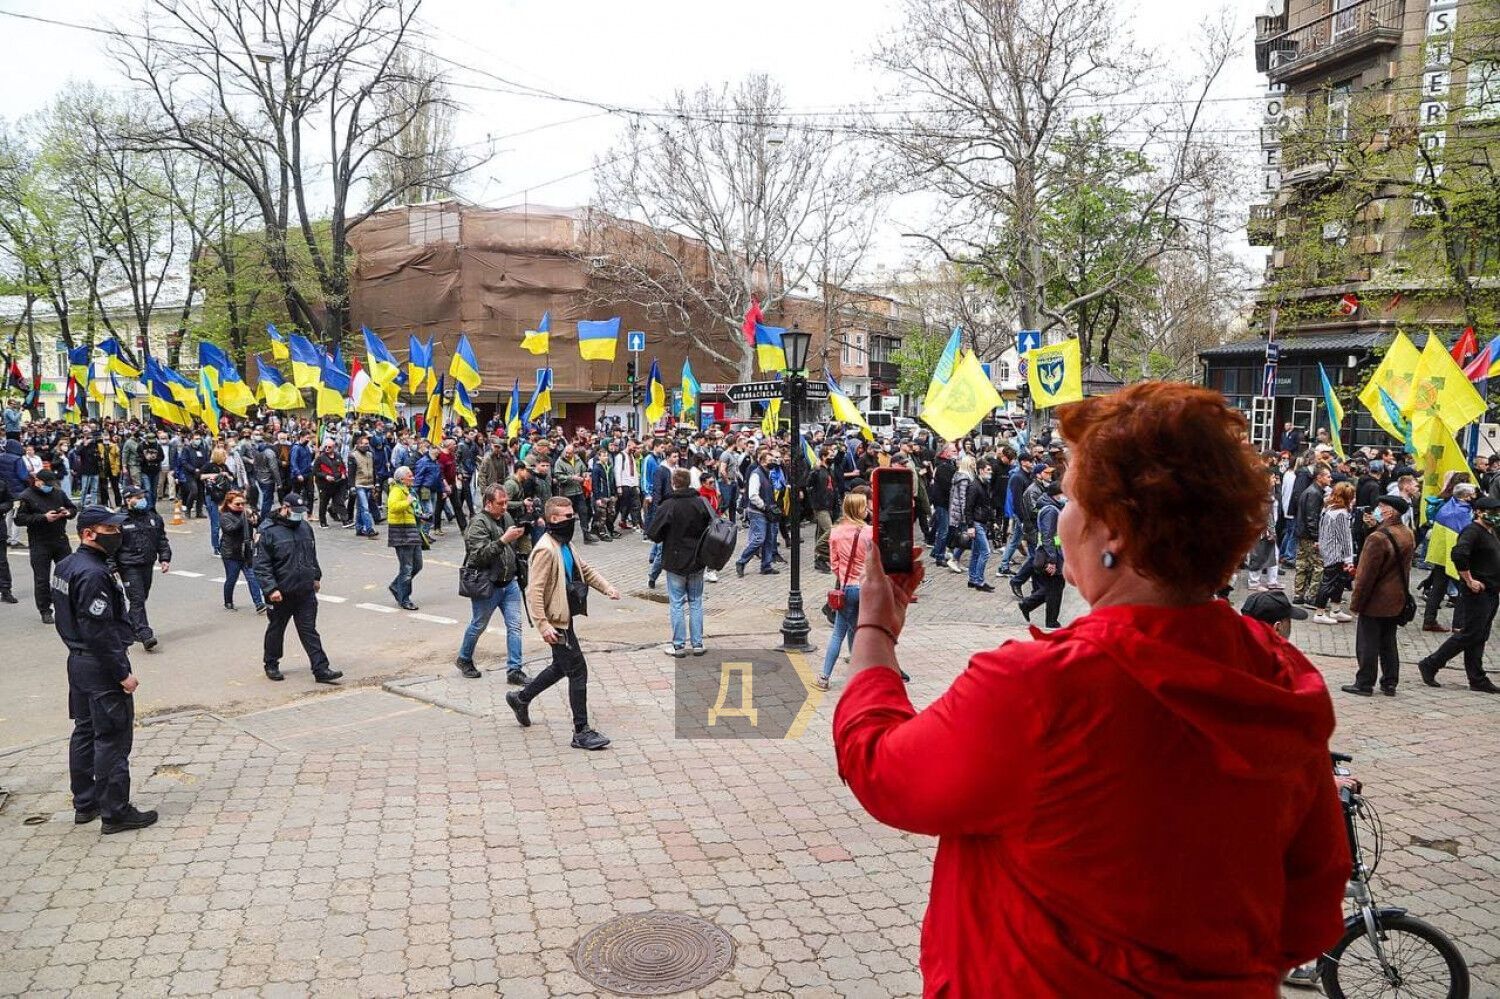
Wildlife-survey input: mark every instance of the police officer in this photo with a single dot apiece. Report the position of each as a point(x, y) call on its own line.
point(286, 564)
point(145, 543)
point(44, 510)
point(91, 608)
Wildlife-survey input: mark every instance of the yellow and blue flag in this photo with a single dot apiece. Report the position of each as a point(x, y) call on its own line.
point(1451, 518)
point(1054, 374)
point(81, 364)
point(307, 362)
point(541, 398)
point(208, 400)
point(945, 365)
point(513, 411)
point(967, 398)
point(274, 390)
point(770, 355)
point(121, 392)
point(161, 398)
point(333, 387)
point(1335, 413)
point(692, 395)
point(846, 412)
point(420, 373)
point(597, 339)
point(464, 368)
point(463, 408)
point(230, 390)
point(771, 418)
point(434, 419)
point(656, 395)
point(539, 340)
point(380, 364)
point(279, 350)
point(117, 362)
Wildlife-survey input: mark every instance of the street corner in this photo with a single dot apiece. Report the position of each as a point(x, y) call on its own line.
point(745, 694)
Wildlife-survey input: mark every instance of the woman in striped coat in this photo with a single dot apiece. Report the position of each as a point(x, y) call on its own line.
point(1336, 545)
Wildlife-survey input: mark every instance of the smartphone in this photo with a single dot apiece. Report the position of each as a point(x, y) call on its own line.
point(895, 517)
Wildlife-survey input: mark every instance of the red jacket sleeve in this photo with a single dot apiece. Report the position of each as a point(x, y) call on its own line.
point(956, 768)
point(1318, 865)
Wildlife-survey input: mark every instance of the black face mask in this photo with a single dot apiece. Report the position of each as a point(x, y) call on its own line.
point(562, 530)
point(109, 543)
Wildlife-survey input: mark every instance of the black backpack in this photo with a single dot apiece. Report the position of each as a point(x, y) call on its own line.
point(719, 541)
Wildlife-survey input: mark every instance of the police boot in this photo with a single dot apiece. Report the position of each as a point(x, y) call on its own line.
point(132, 818)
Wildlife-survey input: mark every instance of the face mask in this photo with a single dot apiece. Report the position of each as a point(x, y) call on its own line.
point(44, 489)
point(296, 516)
point(110, 543)
point(139, 504)
point(562, 531)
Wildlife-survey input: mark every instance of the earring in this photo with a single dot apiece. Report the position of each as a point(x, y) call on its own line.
point(1108, 560)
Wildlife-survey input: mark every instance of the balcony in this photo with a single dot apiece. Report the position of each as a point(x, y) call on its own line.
point(885, 371)
point(1262, 226)
point(1313, 48)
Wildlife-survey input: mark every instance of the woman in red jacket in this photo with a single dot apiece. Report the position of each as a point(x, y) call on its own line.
point(1139, 803)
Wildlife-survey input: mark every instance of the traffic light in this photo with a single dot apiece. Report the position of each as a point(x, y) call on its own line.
point(630, 372)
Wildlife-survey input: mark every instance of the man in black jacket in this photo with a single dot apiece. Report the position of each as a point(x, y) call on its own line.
point(823, 498)
point(678, 527)
point(1309, 513)
point(7, 503)
point(144, 547)
point(942, 487)
point(44, 510)
point(286, 564)
point(1476, 556)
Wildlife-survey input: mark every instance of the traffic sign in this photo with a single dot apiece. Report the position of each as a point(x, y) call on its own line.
point(817, 391)
point(1273, 351)
point(635, 341)
point(754, 391)
point(1027, 341)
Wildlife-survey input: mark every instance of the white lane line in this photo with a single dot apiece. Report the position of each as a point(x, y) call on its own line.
point(217, 579)
point(378, 608)
point(185, 574)
point(325, 598)
point(435, 619)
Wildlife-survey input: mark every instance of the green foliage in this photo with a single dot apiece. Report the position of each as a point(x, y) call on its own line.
point(918, 356)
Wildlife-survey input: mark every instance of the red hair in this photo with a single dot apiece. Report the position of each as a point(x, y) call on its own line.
point(1166, 467)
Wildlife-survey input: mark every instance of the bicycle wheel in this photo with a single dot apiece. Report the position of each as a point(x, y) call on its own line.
point(1426, 963)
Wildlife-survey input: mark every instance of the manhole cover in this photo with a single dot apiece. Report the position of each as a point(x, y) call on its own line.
point(654, 954)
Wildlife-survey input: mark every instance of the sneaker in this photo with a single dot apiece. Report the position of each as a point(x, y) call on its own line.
point(676, 652)
point(698, 650)
point(408, 605)
point(710, 576)
point(954, 565)
point(466, 667)
point(522, 710)
point(1303, 977)
point(262, 608)
point(589, 739)
point(821, 682)
point(1324, 618)
point(1343, 617)
point(130, 820)
point(517, 677)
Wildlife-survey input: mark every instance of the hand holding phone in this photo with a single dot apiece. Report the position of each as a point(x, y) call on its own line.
point(895, 517)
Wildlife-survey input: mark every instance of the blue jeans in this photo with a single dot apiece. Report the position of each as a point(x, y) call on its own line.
point(363, 522)
point(1012, 545)
point(760, 540)
point(844, 623)
point(1289, 542)
point(232, 569)
point(508, 599)
point(939, 532)
point(213, 524)
point(148, 483)
point(409, 562)
point(979, 554)
point(88, 490)
point(267, 500)
point(686, 591)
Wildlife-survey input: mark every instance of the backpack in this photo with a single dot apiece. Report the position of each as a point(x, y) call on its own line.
point(719, 541)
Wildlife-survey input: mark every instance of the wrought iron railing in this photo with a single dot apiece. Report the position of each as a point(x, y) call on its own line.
point(1349, 26)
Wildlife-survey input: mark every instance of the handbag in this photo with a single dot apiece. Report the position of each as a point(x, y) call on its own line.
point(475, 583)
point(835, 601)
point(1409, 607)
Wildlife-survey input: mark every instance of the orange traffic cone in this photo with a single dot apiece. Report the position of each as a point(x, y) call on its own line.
point(177, 512)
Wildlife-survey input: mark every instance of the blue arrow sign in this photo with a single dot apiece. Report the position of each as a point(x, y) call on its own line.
point(1027, 341)
point(635, 341)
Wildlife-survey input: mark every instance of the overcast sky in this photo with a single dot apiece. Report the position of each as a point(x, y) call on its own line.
point(629, 54)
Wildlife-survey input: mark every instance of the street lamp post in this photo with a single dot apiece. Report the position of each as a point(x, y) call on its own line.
point(794, 626)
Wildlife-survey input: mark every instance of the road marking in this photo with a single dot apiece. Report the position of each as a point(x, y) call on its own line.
point(324, 598)
point(377, 607)
point(185, 574)
point(435, 619)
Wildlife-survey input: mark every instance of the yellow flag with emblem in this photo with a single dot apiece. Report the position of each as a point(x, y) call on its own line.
point(967, 398)
point(1440, 388)
point(1393, 376)
point(1437, 454)
point(1055, 374)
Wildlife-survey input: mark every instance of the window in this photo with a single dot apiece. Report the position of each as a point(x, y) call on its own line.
point(1345, 18)
point(854, 349)
point(1482, 99)
point(1339, 96)
point(431, 224)
point(1002, 371)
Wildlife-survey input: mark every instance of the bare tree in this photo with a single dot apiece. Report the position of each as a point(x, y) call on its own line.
point(999, 84)
point(294, 100)
point(419, 161)
point(717, 202)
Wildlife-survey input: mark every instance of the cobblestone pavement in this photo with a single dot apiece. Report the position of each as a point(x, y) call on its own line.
point(411, 839)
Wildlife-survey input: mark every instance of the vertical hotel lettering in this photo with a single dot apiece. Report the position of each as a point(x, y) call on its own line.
point(1432, 112)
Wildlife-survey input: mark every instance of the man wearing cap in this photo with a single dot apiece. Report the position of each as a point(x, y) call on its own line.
point(942, 486)
point(286, 565)
point(144, 547)
point(1476, 556)
point(44, 510)
point(91, 620)
point(1381, 589)
point(1274, 608)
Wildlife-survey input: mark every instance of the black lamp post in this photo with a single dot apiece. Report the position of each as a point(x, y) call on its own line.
point(794, 626)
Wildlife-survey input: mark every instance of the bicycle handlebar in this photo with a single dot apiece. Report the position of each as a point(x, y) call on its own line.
point(1341, 757)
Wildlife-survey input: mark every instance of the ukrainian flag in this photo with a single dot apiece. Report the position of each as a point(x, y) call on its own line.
point(307, 362)
point(80, 365)
point(419, 370)
point(117, 362)
point(161, 397)
point(279, 350)
point(541, 399)
point(230, 390)
point(183, 389)
point(656, 396)
point(771, 418)
point(274, 390)
point(435, 414)
point(464, 368)
point(463, 408)
point(1335, 412)
point(809, 454)
point(513, 412)
point(769, 353)
point(945, 365)
point(845, 411)
point(1452, 517)
point(208, 399)
point(692, 394)
point(538, 341)
point(382, 366)
point(597, 340)
point(333, 388)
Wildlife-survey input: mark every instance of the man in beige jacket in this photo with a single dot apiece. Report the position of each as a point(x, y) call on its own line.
point(552, 571)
